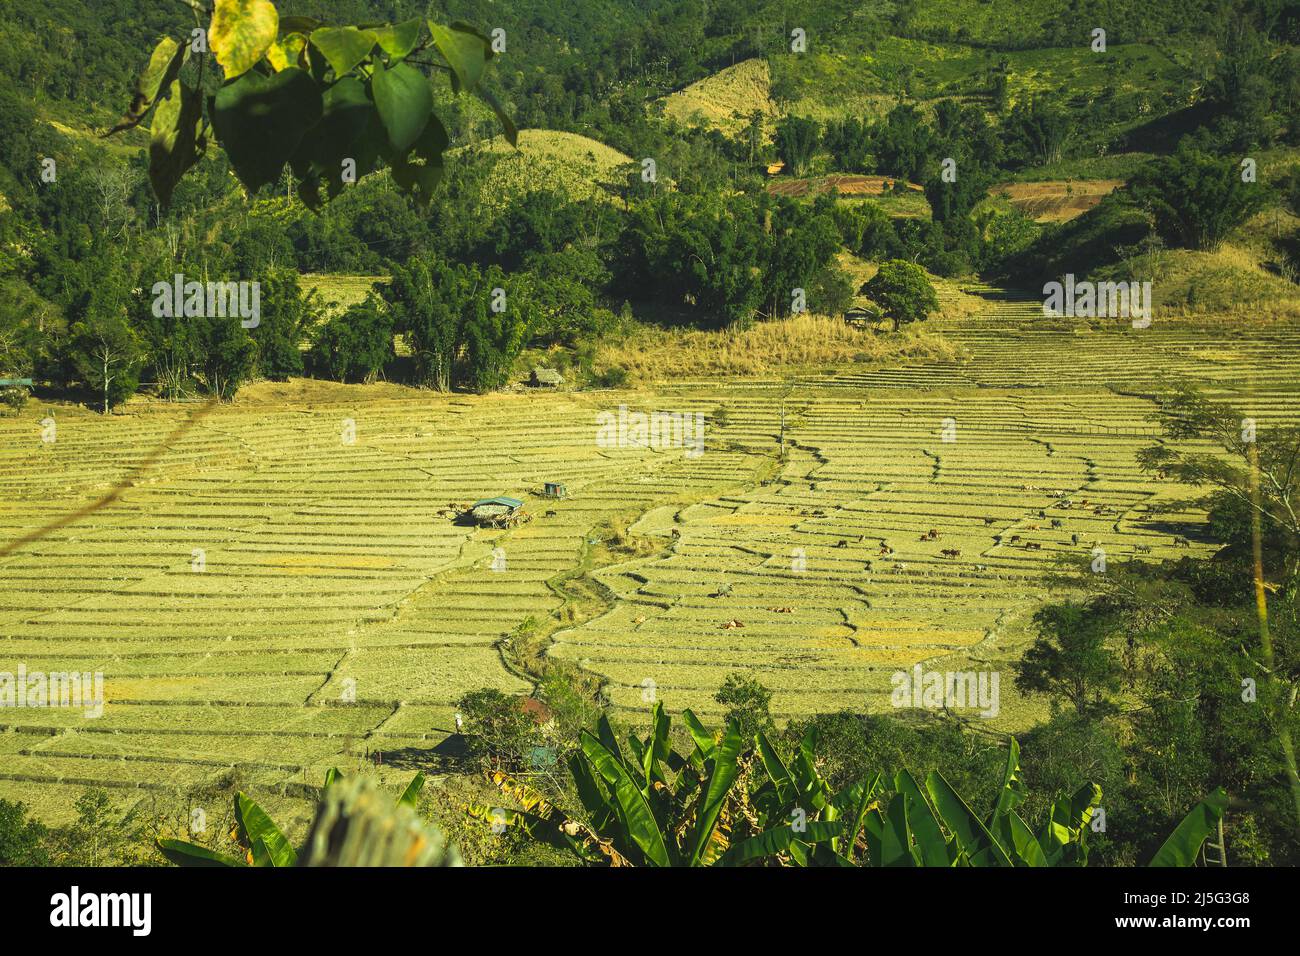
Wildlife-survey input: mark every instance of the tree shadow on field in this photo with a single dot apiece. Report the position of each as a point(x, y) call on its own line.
point(449, 756)
point(1192, 531)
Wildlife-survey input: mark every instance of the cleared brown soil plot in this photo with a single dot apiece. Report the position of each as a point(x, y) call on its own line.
point(1057, 200)
point(846, 184)
point(268, 598)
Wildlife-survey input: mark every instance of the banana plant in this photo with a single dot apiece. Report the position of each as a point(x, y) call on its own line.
point(647, 804)
point(264, 842)
point(799, 817)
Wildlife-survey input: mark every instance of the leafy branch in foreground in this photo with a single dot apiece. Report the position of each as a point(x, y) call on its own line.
point(331, 102)
point(652, 806)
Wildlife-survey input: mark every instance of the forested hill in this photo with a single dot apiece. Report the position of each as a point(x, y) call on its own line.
point(572, 63)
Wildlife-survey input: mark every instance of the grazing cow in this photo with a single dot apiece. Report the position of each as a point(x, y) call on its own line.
point(1015, 538)
point(1033, 546)
point(1074, 539)
point(842, 544)
point(1181, 542)
point(989, 521)
point(1032, 527)
point(1056, 523)
point(1042, 513)
point(933, 534)
point(950, 553)
point(1142, 549)
point(886, 550)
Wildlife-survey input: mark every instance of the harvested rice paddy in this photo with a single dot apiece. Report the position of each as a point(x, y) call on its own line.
point(279, 587)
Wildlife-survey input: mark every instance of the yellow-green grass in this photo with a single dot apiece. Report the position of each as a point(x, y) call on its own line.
point(340, 611)
point(550, 160)
point(725, 100)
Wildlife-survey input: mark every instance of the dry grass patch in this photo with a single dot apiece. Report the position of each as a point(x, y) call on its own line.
point(797, 342)
point(726, 99)
point(1056, 200)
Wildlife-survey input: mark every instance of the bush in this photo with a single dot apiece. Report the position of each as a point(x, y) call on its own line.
point(22, 841)
point(356, 345)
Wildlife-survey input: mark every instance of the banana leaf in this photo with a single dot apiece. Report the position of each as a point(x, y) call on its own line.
point(1185, 842)
point(725, 769)
point(972, 837)
point(411, 795)
point(632, 809)
point(779, 840)
point(931, 847)
point(257, 827)
point(191, 854)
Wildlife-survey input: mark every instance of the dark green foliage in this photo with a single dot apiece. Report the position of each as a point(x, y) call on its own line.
point(225, 355)
point(499, 732)
point(286, 316)
point(796, 140)
point(902, 292)
point(22, 841)
point(1197, 199)
point(356, 345)
point(428, 301)
point(748, 704)
point(498, 317)
point(1070, 660)
point(1041, 128)
point(105, 353)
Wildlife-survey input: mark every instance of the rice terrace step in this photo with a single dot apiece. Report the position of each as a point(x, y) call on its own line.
point(336, 604)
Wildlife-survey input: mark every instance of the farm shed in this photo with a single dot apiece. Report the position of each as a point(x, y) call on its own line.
point(545, 378)
point(555, 489)
point(498, 512)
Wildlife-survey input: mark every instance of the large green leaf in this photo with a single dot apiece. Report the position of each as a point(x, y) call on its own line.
point(191, 854)
point(286, 51)
point(347, 115)
point(1022, 840)
point(657, 743)
point(1062, 839)
point(931, 847)
point(261, 121)
point(507, 124)
point(241, 32)
point(1185, 842)
point(725, 769)
point(776, 770)
point(699, 733)
point(164, 66)
point(343, 47)
point(633, 811)
point(257, 826)
point(853, 802)
point(896, 837)
point(405, 102)
point(465, 50)
point(398, 39)
point(173, 140)
point(779, 840)
point(972, 836)
point(411, 795)
point(1012, 792)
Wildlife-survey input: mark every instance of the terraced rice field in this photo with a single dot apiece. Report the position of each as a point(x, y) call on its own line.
point(265, 597)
